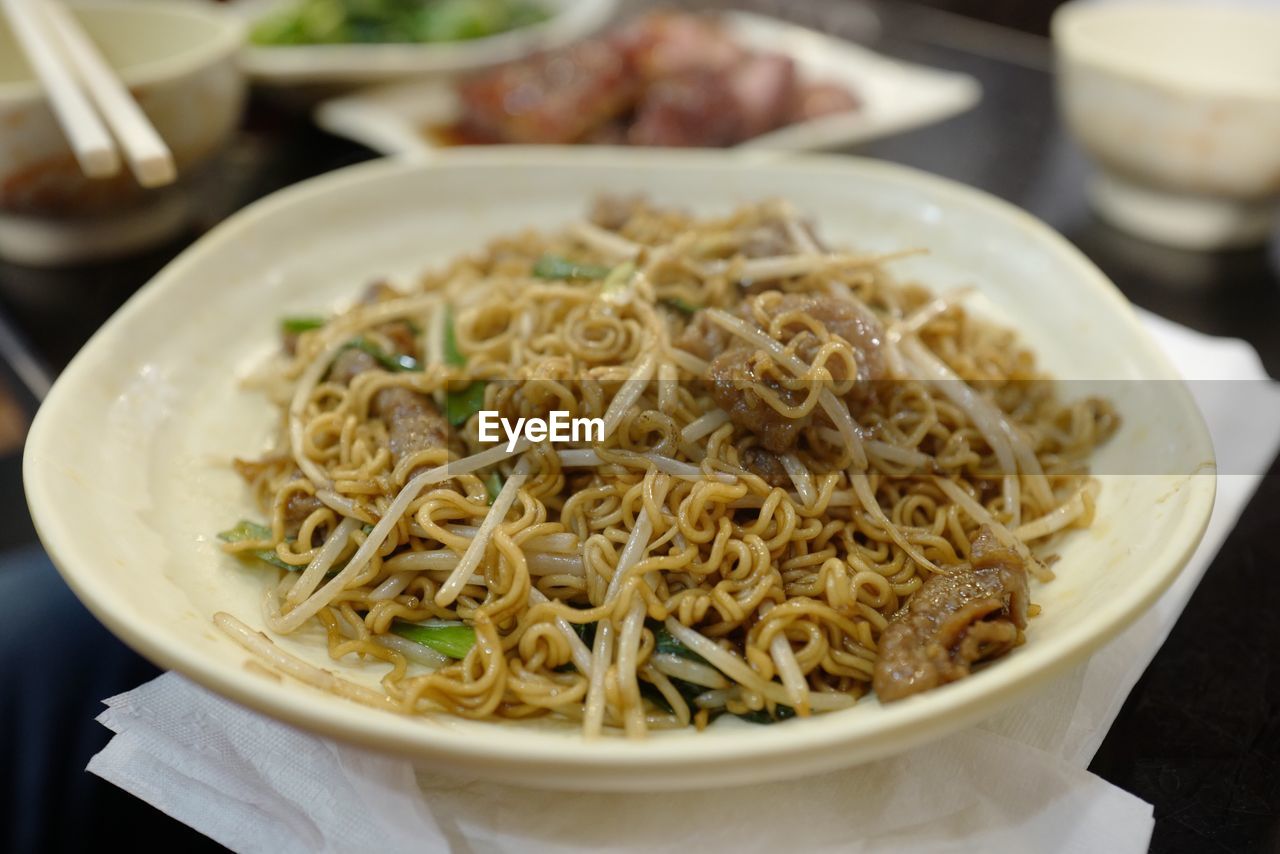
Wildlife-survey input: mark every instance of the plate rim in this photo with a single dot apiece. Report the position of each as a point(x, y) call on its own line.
point(822, 743)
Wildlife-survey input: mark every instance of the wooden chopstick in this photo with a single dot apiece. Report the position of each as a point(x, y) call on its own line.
point(149, 157)
point(93, 146)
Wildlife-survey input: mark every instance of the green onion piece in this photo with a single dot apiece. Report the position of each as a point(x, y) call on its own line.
point(452, 355)
point(586, 631)
point(295, 325)
point(666, 642)
point(452, 639)
point(391, 361)
point(651, 693)
point(246, 530)
point(493, 485)
point(618, 279)
point(459, 406)
point(687, 690)
point(555, 267)
point(681, 305)
point(762, 716)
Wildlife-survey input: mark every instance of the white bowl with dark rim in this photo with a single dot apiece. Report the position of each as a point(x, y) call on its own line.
point(127, 464)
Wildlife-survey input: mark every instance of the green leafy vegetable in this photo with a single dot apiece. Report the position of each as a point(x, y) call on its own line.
point(452, 639)
point(493, 485)
point(246, 530)
point(295, 325)
point(461, 405)
point(392, 21)
point(555, 267)
point(681, 305)
point(391, 361)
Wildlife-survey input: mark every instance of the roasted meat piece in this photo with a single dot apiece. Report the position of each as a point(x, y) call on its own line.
point(694, 109)
point(663, 44)
point(764, 90)
point(553, 98)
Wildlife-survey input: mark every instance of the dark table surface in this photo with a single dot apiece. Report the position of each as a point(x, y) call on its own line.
point(1200, 735)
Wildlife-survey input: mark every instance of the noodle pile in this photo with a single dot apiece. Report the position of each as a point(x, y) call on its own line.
point(656, 579)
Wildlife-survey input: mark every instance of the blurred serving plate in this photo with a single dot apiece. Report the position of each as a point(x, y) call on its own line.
point(127, 464)
point(351, 64)
point(415, 117)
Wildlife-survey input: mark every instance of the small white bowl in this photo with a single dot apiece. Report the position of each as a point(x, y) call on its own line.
point(178, 59)
point(352, 64)
point(1180, 106)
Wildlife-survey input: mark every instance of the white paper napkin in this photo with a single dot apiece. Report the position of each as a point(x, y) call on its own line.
point(1015, 783)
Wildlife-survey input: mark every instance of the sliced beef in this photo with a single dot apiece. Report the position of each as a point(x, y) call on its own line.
point(839, 318)
point(953, 622)
point(400, 334)
point(767, 465)
point(350, 363)
point(296, 510)
point(740, 376)
point(300, 504)
point(703, 338)
point(413, 422)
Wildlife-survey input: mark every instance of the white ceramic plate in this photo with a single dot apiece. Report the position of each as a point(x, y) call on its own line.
point(896, 96)
point(127, 469)
point(350, 64)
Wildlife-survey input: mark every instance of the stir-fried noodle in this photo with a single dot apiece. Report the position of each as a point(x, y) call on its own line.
point(813, 479)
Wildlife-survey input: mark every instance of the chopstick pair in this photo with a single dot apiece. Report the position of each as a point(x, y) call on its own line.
point(77, 79)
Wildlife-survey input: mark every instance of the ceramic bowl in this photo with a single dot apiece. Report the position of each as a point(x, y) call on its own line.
point(179, 61)
point(1180, 107)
